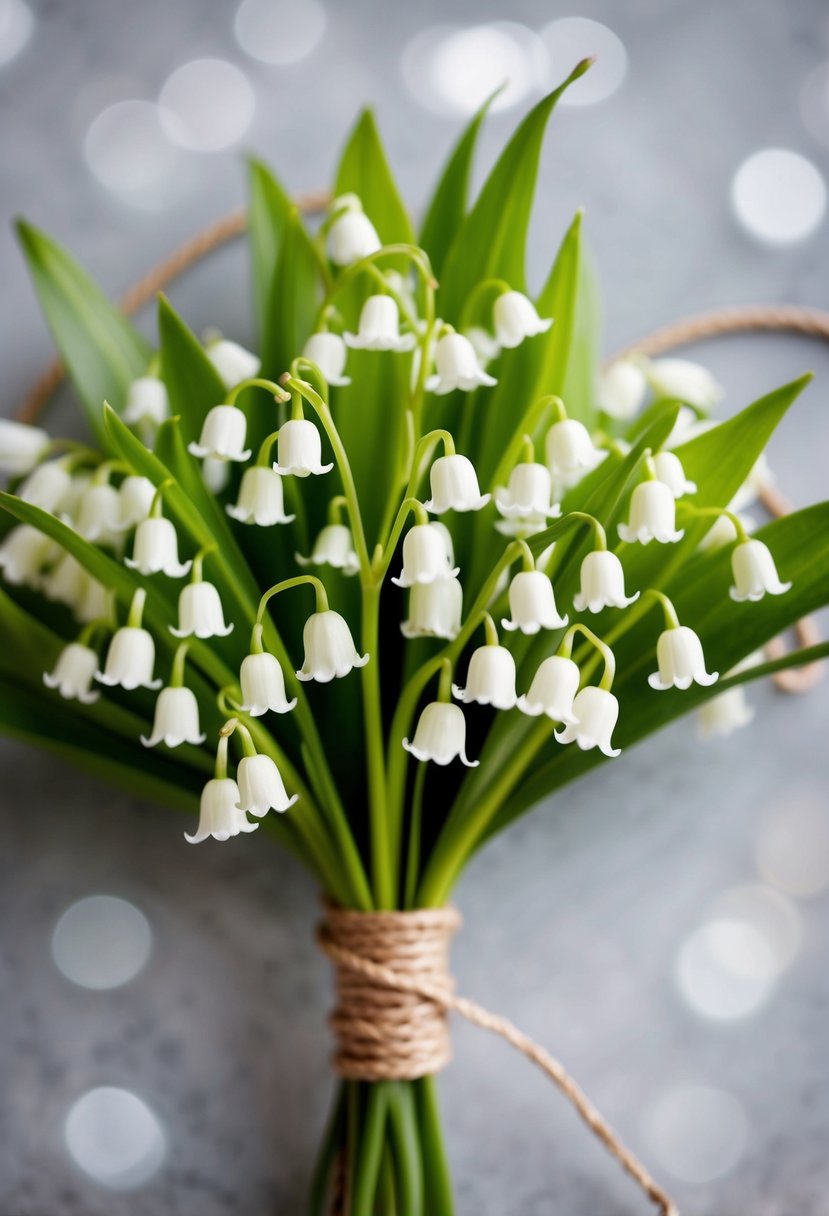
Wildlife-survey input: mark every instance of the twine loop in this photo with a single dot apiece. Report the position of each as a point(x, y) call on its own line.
point(393, 985)
point(394, 992)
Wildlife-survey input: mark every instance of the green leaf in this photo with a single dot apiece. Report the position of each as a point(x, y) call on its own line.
point(269, 209)
point(293, 300)
point(364, 171)
point(492, 240)
point(578, 387)
point(193, 384)
point(447, 210)
point(100, 349)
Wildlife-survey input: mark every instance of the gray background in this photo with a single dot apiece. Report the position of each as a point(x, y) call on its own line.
point(575, 919)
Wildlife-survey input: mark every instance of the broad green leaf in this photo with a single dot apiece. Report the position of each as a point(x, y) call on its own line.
point(492, 240)
point(578, 390)
point(447, 210)
point(100, 349)
point(193, 384)
point(364, 170)
point(269, 208)
point(293, 300)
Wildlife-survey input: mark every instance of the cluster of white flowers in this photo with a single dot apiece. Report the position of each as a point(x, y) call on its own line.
point(106, 501)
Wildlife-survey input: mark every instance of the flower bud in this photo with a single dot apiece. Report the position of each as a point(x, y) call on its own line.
point(435, 610)
point(233, 363)
point(222, 435)
point(596, 712)
point(552, 691)
point(516, 318)
point(755, 573)
point(220, 816)
point(261, 499)
point(73, 672)
point(261, 788)
point(330, 652)
point(457, 367)
point(299, 449)
point(147, 402)
point(329, 353)
point(490, 679)
point(680, 660)
point(668, 469)
point(454, 484)
point(21, 447)
point(200, 613)
point(379, 327)
point(176, 719)
point(532, 603)
point(352, 236)
point(652, 515)
point(440, 735)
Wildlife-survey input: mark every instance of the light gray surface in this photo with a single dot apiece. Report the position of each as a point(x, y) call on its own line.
point(574, 920)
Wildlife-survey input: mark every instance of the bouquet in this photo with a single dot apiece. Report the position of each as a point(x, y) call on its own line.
point(388, 583)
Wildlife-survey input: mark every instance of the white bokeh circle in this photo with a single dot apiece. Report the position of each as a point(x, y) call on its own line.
point(114, 1137)
point(778, 196)
point(570, 39)
point(279, 32)
point(206, 105)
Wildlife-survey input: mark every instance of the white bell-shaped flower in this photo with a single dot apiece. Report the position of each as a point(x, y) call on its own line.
point(516, 318)
point(21, 447)
point(66, 581)
point(553, 690)
point(532, 603)
point(219, 814)
point(200, 613)
point(684, 380)
point(352, 236)
point(130, 660)
point(176, 719)
point(23, 553)
point(755, 573)
point(73, 672)
point(720, 716)
point(80, 484)
point(424, 557)
point(569, 449)
point(446, 536)
point(596, 712)
point(215, 474)
point(457, 367)
point(99, 515)
point(135, 495)
point(299, 449)
point(329, 352)
point(261, 788)
point(435, 610)
point(48, 486)
point(454, 485)
point(379, 327)
point(97, 603)
point(440, 735)
point(330, 652)
point(333, 547)
point(222, 435)
point(263, 686)
point(490, 679)
point(528, 494)
point(261, 499)
point(484, 344)
point(668, 469)
point(155, 549)
point(233, 363)
point(680, 660)
point(147, 402)
point(602, 583)
point(622, 389)
point(652, 515)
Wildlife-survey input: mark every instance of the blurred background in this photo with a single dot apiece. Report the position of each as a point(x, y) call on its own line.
point(662, 927)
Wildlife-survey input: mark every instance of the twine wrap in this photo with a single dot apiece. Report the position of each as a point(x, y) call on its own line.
point(386, 1031)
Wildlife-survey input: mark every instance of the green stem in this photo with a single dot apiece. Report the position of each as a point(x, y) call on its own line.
point(406, 1149)
point(413, 855)
point(438, 1197)
point(370, 1151)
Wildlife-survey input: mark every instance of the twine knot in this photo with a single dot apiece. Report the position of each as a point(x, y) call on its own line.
point(393, 991)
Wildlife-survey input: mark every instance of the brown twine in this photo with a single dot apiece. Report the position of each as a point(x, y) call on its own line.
point(394, 993)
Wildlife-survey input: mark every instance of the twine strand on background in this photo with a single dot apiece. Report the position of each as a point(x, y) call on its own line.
point(781, 317)
point(394, 992)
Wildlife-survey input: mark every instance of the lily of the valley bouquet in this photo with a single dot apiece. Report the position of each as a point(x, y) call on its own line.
point(385, 585)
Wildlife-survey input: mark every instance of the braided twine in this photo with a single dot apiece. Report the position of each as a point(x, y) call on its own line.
point(393, 985)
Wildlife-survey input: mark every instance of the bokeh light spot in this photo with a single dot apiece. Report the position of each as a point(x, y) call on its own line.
point(115, 1138)
point(206, 105)
point(696, 1132)
point(778, 196)
point(16, 25)
point(279, 31)
point(128, 152)
point(570, 39)
point(101, 942)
